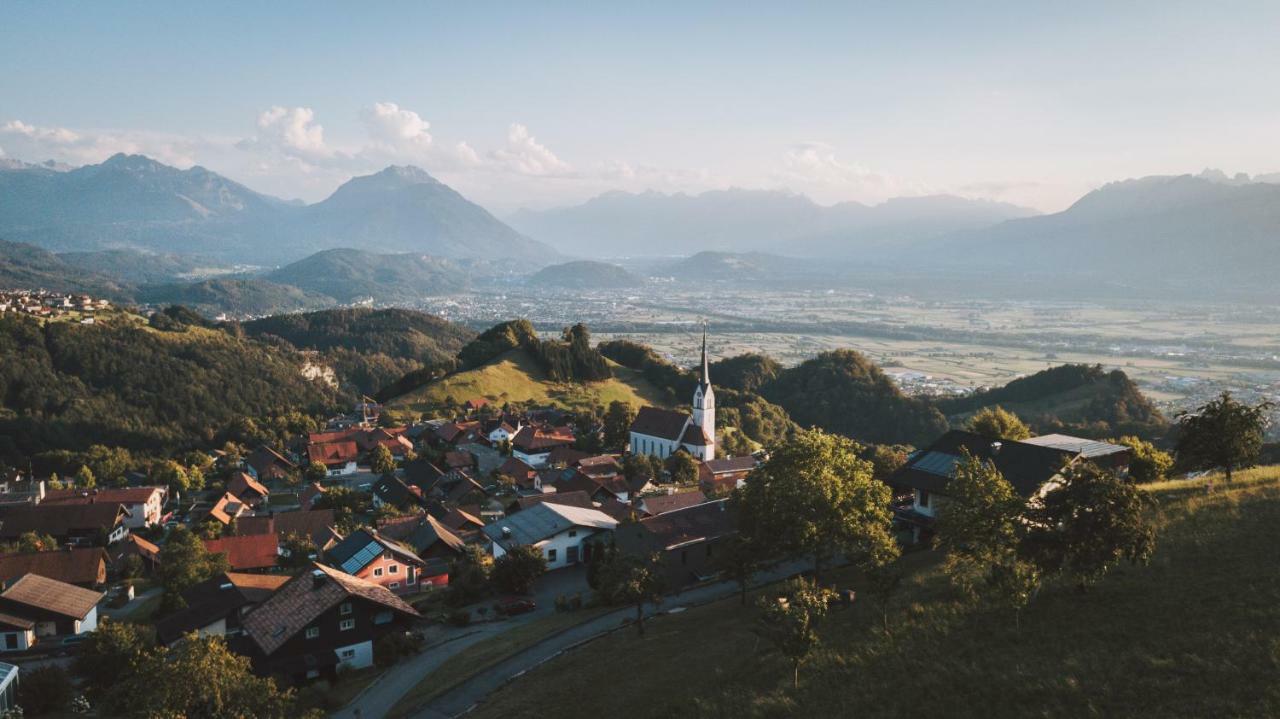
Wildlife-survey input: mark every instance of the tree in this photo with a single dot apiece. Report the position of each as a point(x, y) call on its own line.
point(741, 560)
point(790, 621)
point(347, 505)
point(297, 550)
point(172, 475)
point(227, 687)
point(978, 524)
point(85, 478)
point(1014, 583)
point(184, 562)
point(683, 468)
point(515, 571)
point(468, 576)
point(1224, 434)
point(882, 583)
point(44, 690)
point(1088, 523)
point(315, 472)
point(998, 423)
point(628, 579)
point(109, 464)
point(381, 461)
point(886, 459)
point(110, 654)
point(35, 542)
point(617, 425)
point(815, 497)
point(1147, 463)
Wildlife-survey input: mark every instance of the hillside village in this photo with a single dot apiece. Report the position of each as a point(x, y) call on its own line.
point(337, 559)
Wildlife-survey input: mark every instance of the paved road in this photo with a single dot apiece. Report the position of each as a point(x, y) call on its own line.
point(466, 695)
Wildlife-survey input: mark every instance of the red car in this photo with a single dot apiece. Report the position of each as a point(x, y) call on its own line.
point(514, 606)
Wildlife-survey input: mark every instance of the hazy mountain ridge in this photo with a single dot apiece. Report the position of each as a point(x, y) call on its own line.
point(652, 223)
point(584, 274)
point(348, 275)
point(131, 201)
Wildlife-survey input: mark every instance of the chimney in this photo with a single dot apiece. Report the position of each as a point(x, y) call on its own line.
point(317, 578)
point(506, 532)
point(995, 448)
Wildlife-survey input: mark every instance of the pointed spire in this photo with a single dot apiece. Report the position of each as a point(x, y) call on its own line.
point(706, 368)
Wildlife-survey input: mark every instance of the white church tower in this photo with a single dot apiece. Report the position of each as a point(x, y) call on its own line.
point(704, 401)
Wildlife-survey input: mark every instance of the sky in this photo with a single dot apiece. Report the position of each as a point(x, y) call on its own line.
point(547, 104)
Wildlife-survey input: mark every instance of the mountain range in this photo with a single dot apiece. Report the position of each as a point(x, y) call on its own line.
point(625, 224)
point(131, 201)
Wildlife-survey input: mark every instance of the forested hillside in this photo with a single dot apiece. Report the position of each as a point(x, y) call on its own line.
point(1077, 399)
point(122, 383)
point(370, 349)
point(844, 392)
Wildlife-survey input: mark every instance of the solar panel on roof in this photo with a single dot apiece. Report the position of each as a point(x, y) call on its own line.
point(938, 463)
point(361, 558)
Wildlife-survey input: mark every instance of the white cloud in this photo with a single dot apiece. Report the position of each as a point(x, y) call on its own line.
point(34, 143)
point(524, 154)
point(398, 128)
point(293, 131)
point(814, 169)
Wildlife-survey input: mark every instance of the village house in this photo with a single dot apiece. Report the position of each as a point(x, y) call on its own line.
point(247, 552)
point(719, 477)
point(366, 554)
point(338, 458)
point(228, 509)
point(145, 504)
point(686, 540)
point(1031, 467)
point(216, 606)
point(318, 622)
point(533, 444)
point(390, 491)
point(660, 432)
point(248, 490)
point(133, 545)
point(78, 524)
point(268, 465)
point(82, 566)
point(316, 525)
point(565, 535)
point(655, 504)
point(35, 607)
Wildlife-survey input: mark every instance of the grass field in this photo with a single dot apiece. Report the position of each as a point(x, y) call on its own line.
point(480, 656)
point(1195, 633)
point(516, 377)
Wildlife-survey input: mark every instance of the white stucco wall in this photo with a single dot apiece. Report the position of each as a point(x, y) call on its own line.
point(362, 655)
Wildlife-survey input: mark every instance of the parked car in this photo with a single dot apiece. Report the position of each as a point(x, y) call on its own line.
point(515, 605)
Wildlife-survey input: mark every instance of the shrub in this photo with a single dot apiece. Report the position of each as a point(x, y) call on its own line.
point(44, 690)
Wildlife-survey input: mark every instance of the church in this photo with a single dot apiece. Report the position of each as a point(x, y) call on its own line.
point(660, 432)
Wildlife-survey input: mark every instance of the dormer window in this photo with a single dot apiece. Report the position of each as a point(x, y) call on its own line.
point(344, 608)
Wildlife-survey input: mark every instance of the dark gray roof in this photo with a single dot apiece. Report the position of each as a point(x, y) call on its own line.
point(663, 423)
point(1026, 466)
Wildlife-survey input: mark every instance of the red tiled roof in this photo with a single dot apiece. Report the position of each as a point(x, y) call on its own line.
point(333, 452)
point(228, 508)
point(533, 439)
point(73, 566)
point(307, 596)
point(662, 503)
point(241, 483)
point(247, 551)
point(106, 495)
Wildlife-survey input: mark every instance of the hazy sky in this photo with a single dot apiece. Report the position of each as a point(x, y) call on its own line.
point(540, 104)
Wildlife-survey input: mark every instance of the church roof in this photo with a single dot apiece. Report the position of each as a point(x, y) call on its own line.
point(694, 435)
point(662, 423)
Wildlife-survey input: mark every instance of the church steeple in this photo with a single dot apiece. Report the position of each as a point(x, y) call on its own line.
point(704, 401)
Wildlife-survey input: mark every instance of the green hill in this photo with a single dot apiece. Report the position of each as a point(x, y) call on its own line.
point(122, 383)
point(516, 376)
point(584, 274)
point(234, 296)
point(1191, 634)
point(349, 275)
point(844, 392)
point(1078, 399)
point(24, 266)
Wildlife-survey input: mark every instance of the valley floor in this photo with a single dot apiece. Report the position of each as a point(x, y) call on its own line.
point(1194, 633)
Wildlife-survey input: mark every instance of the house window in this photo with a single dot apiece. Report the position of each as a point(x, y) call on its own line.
point(313, 673)
point(383, 617)
point(313, 632)
point(394, 569)
point(551, 555)
point(573, 532)
point(348, 654)
point(394, 585)
point(386, 555)
point(345, 608)
point(377, 572)
point(346, 624)
point(924, 498)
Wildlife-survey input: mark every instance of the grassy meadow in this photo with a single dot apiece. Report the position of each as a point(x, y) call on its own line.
point(1194, 633)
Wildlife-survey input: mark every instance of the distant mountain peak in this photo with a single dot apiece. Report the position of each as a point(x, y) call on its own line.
point(409, 174)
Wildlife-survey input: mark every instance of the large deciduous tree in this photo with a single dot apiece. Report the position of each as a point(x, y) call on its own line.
point(1224, 434)
point(998, 423)
point(381, 461)
point(184, 562)
point(617, 425)
point(815, 497)
point(633, 580)
point(978, 524)
point(1087, 524)
point(516, 570)
point(1147, 463)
